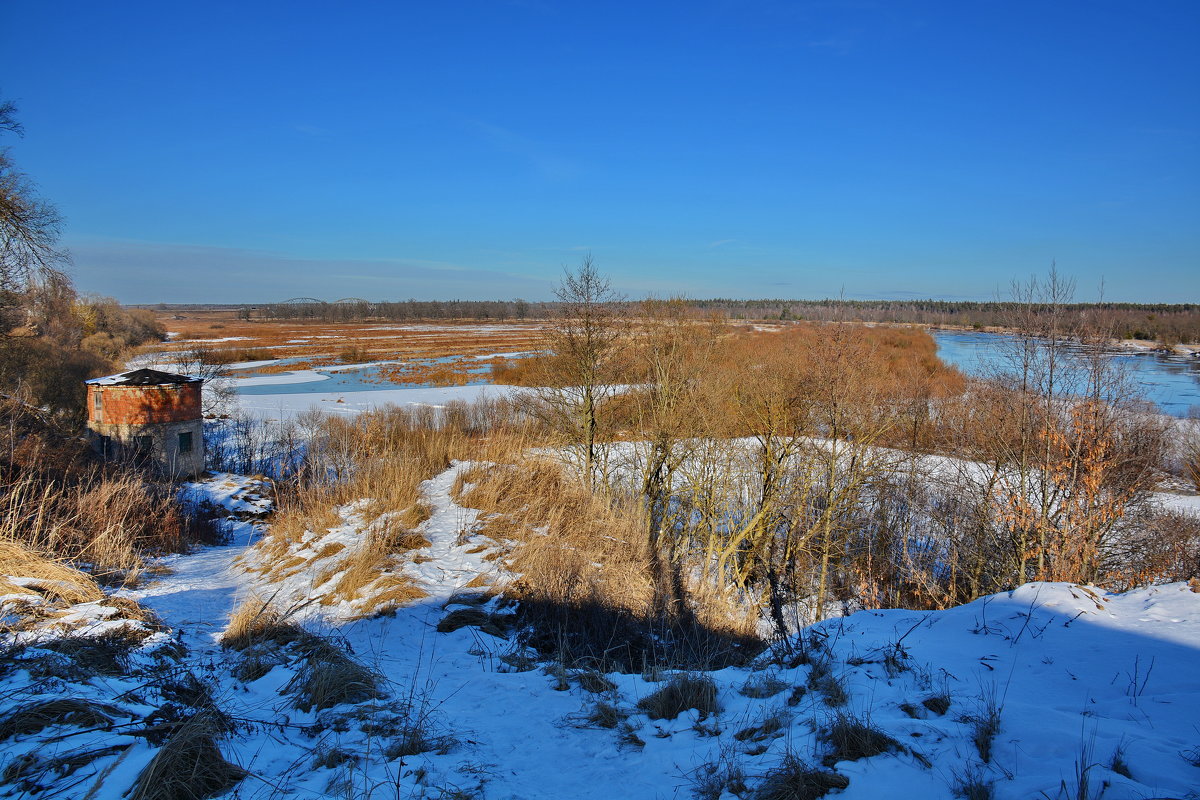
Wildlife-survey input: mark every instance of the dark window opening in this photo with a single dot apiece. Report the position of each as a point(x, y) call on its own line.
point(185, 442)
point(97, 403)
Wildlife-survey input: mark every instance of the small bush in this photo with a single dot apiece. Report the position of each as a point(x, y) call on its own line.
point(681, 693)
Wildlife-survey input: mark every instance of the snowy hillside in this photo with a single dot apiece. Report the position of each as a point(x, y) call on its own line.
point(1053, 690)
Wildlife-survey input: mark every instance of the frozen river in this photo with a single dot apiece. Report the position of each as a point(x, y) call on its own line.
point(1170, 382)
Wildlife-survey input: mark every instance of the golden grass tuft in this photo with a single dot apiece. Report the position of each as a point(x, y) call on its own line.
point(190, 764)
point(36, 716)
point(681, 693)
point(256, 622)
point(50, 578)
point(388, 593)
point(331, 677)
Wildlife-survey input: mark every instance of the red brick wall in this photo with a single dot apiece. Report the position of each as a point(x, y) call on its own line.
point(144, 405)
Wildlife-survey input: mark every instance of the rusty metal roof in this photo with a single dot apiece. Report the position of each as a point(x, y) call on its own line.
point(143, 377)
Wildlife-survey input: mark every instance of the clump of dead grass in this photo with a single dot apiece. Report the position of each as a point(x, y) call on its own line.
point(50, 578)
point(106, 653)
point(681, 693)
point(189, 764)
point(587, 592)
point(38, 715)
point(104, 519)
point(795, 779)
point(850, 739)
point(257, 622)
point(761, 686)
point(331, 677)
point(595, 683)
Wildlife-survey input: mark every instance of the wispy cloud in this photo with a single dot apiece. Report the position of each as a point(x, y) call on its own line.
point(311, 130)
point(720, 242)
point(547, 163)
point(152, 272)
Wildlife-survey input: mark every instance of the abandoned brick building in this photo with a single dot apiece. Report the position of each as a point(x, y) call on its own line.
point(150, 417)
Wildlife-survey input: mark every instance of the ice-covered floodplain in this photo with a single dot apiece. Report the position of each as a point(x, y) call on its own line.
point(308, 395)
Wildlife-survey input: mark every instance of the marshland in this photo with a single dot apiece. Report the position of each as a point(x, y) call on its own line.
point(538, 400)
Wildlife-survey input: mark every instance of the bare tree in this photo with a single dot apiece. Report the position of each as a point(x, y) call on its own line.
point(583, 342)
point(30, 260)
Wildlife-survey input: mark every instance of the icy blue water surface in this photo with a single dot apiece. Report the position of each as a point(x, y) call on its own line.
point(1170, 382)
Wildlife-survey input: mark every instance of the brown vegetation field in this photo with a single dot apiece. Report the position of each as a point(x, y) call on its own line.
point(442, 352)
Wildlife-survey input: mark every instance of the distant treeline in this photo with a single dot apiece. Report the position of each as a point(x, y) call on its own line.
point(1163, 322)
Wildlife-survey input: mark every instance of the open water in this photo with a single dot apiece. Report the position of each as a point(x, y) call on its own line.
point(1170, 382)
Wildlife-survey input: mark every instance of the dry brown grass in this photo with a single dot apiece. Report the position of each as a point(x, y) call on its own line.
point(564, 531)
point(256, 622)
point(378, 462)
point(795, 779)
point(52, 579)
point(587, 591)
point(388, 593)
point(423, 347)
point(189, 764)
point(850, 739)
point(330, 677)
point(105, 520)
point(36, 716)
point(681, 693)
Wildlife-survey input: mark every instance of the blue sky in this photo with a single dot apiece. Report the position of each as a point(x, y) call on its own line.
point(253, 151)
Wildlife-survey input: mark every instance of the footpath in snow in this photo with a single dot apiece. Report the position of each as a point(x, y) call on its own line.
point(1026, 691)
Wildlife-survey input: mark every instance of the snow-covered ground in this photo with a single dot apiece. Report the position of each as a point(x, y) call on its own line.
point(1080, 682)
point(285, 405)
